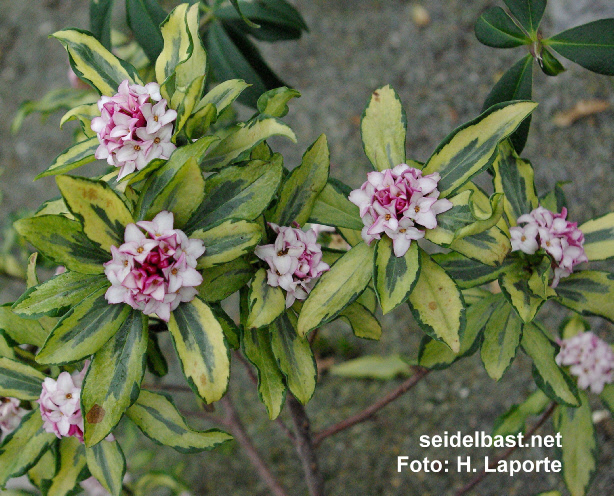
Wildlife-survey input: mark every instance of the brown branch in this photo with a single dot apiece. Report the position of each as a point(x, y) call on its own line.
point(305, 448)
point(419, 374)
point(480, 477)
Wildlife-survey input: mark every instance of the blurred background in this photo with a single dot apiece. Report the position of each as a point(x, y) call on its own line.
point(429, 54)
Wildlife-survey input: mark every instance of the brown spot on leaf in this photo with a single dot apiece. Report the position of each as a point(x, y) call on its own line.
point(203, 380)
point(376, 95)
point(433, 305)
point(95, 415)
point(90, 194)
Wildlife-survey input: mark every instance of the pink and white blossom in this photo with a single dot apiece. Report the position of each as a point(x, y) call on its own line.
point(400, 203)
point(135, 126)
point(154, 271)
point(60, 404)
point(10, 415)
point(560, 239)
point(590, 359)
point(295, 261)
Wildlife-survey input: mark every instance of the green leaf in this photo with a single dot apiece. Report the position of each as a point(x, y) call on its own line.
point(178, 44)
point(74, 156)
point(469, 273)
point(548, 63)
point(515, 286)
point(44, 471)
point(144, 18)
point(222, 95)
point(362, 321)
point(590, 45)
point(271, 388)
point(294, 357)
point(495, 28)
point(266, 303)
point(555, 199)
point(337, 288)
point(528, 12)
point(72, 467)
point(107, 463)
point(515, 84)
point(18, 380)
point(94, 63)
point(489, 247)
point(588, 292)
point(332, 207)
point(243, 17)
point(221, 281)
point(384, 129)
point(394, 277)
point(196, 65)
point(83, 330)
point(230, 328)
point(373, 367)
point(599, 237)
point(101, 212)
point(101, 12)
point(515, 178)
point(200, 121)
point(435, 354)
point(515, 419)
point(242, 139)
point(84, 114)
point(579, 446)
point(23, 447)
point(201, 346)
point(114, 378)
point(274, 102)
point(167, 178)
point(185, 101)
point(157, 416)
point(302, 187)
point(21, 330)
point(227, 241)
point(437, 304)
point(607, 397)
point(156, 363)
point(547, 374)
point(471, 148)
point(502, 335)
point(239, 192)
point(63, 241)
point(56, 295)
point(6, 345)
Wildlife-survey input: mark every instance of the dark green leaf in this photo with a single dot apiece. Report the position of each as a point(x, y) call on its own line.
point(549, 64)
point(528, 12)
point(495, 28)
point(144, 18)
point(100, 21)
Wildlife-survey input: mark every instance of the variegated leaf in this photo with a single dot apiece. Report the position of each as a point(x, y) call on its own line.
point(588, 292)
point(221, 281)
point(222, 95)
point(22, 331)
point(18, 380)
point(74, 156)
point(178, 46)
point(469, 273)
point(514, 284)
point(362, 321)
point(107, 463)
point(72, 467)
point(265, 303)
point(333, 208)
point(599, 237)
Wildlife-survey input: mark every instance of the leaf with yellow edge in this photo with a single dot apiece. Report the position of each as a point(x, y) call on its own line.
point(74, 156)
point(71, 467)
point(599, 237)
point(227, 241)
point(437, 303)
point(265, 302)
point(196, 65)
point(515, 286)
point(178, 46)
point(107, 463)
point(19, 380)
point(471, 148)
point(94, 63)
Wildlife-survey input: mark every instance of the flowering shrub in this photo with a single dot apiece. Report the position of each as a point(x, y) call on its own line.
point(196, 211)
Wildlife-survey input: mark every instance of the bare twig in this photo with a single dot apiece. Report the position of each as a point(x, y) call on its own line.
point(419, 374)
point(478, 478)
point(305, 448)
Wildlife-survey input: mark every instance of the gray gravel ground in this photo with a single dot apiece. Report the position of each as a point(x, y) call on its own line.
point(442, 75)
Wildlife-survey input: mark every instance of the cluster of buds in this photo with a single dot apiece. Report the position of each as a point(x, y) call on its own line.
point(135, 126)
point(590, 359)
point(10, 415)
point(156, 271)
point(560, 239)
point(60, 404)
point(400, 203)
point(295, 261)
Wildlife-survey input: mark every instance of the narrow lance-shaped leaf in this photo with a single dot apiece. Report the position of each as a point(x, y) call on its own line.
point(294, 356)
point(265, 302)
point(83, 330)
point(178, 44)
point(337, 288)
point(196, 65)
point(44, 471)
point(599, 237)
point(271, 388)
point(114, 378)
point(18, 380)
point(100, 21)
point(302, 187)
point(107, 463)
point(200, 343)
point(437, 303)
point(495, 28)
point(222, 95)
point(384, 129)
point(528, 12)
point(21, 330)
point(471, 147)
point(74, 156)
point(144, 18)
point(72, 467)
point(23, 447)
point(157, 416)
point(94, 63)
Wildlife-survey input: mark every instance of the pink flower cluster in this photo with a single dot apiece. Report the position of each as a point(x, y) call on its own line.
point(154, 272)
point(400, 203)
point(132, 128)
point(560, 239)
point(60, 404)
point(10, 415)
point(295, 261)
point(590, 359)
